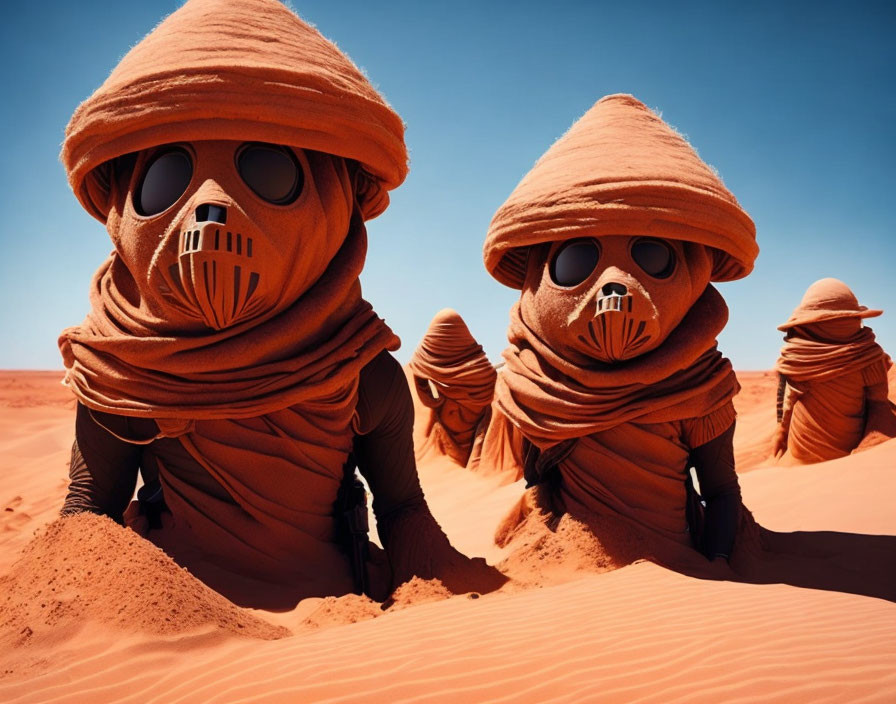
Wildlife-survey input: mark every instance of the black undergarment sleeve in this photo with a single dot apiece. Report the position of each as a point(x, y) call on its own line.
point(714, 464)
point(384, 446)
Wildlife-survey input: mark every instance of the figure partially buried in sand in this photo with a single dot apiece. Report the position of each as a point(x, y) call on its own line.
point(613, 385)
point(832, 379)
point(234, 156)
point(455, 384)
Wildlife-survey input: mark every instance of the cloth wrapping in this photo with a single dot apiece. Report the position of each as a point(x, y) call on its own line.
point(247, 70)
point(464, 379)
point(264, 406)
point(551, 399)
point(311, 353)
point(810, 356)
point(281, 473)
point(620, 433)
point(829, 366)
point(642, 471)
point(620, 170)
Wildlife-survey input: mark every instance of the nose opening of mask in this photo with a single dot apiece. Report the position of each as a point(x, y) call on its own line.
point(614, 302)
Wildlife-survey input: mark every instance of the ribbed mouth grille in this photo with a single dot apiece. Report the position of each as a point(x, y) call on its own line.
point(613, 336)
point(204, 240)
point(213, 273)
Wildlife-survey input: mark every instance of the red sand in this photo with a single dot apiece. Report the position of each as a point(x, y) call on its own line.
point(569, 628)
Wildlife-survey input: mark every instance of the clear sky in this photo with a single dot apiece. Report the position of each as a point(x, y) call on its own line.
point(793, 102)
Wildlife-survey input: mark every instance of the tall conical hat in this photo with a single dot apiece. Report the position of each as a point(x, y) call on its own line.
point(620, 170)
point(247, 70)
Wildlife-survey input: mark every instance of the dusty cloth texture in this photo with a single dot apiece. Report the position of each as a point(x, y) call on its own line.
point(836, 388)
point(501, 451)
point(246, 494)
point(827, 299)
point(237, 70)
point(461, 391)
point(643, 468)
point(254, 406)
point(628, 428)
point(125, 359)
point(218, 70)
point(552, 399)
point(818, 351)
point(620, 170)
point(635, 474)
point(610, 424)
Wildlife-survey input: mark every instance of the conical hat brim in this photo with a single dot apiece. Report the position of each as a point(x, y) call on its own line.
point(818, 316)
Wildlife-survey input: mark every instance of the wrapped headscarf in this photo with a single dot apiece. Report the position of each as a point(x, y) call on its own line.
point(464, 383)
point(247, 70)
point(260, 393)
point(827, 299)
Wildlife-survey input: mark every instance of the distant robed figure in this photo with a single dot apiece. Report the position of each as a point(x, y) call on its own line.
point(832, 379)
point(455, 384)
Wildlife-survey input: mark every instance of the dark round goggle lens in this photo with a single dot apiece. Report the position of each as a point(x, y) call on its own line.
point(655, 257)
point(574, 262)
point(166, 178)
point(272, 172)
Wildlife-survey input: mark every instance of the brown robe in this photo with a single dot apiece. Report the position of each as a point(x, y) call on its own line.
point(834, 374)
point(268, 512)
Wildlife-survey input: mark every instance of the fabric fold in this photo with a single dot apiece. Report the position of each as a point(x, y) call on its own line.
point(311, 352)
point(455, 382)
point(551, 399)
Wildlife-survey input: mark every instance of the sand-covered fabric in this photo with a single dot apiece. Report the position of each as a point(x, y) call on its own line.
point(551, 399)
point(608, 424)
point(246, 70)
point(455, 381)
point(502, 451)
point(643, 467)
point(247, 356)
point(297, 331)
point(835, 374)
point(620, 170)
point(825, 350)
point(836, 389)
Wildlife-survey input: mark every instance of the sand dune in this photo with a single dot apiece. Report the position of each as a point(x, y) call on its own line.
point(639, 633)
point(756, 419)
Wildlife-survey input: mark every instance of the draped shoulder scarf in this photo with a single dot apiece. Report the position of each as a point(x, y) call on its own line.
point(551, 399)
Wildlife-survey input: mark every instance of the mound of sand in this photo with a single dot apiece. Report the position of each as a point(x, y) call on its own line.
point(341, 610)
point(417, 591)
point(88, 569)
point(551, 550)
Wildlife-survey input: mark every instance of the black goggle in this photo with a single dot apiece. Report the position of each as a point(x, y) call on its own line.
point(576, 260)
point(271, 171)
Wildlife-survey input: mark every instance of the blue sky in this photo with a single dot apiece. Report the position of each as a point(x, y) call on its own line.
point(792, 102)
